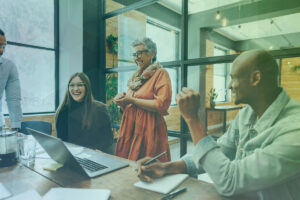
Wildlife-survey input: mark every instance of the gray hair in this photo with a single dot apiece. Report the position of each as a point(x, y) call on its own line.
point(149, 45)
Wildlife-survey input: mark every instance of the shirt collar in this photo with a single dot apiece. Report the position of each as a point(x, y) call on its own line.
point(271, 114)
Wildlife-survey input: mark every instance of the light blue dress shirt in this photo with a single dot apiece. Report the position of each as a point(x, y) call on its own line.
point(10, 83)
point(260, 156)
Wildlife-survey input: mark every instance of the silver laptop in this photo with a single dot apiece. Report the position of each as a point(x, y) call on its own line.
point(97, 164)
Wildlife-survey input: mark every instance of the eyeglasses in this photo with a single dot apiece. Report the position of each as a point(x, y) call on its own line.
point(138, 54)
point(79, 85)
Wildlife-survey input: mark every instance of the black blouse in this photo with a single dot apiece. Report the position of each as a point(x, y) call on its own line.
point(98, 136)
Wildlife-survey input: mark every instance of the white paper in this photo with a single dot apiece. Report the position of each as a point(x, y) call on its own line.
point(205, 177)
point(74, 150)
point(30, 194)
point(77, 194)
point(4, 193)
point(163, 185)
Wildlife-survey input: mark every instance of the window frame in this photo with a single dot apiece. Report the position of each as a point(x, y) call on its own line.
point(184, 61)
point(56, 57)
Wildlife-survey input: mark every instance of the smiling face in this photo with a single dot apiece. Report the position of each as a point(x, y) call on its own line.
point(77, 89)
point(240, 84)
point(141, 57)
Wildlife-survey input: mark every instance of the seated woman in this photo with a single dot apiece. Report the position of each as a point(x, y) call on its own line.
point(82, 120)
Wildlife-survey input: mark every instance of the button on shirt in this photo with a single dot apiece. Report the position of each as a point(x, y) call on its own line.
point(261, 156)
point(9, 81)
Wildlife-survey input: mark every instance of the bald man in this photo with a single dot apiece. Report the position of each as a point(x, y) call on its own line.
point(260, 152)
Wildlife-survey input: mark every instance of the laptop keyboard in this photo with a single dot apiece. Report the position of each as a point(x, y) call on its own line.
point(90, 165)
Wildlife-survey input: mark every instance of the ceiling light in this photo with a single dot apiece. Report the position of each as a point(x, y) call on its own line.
point(224, 22)
point(218, 15)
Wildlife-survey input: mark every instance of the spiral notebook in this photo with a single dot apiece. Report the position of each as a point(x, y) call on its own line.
point(163, 185)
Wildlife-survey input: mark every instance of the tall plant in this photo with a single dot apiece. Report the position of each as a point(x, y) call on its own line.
point(112, 45)
point(111, 90)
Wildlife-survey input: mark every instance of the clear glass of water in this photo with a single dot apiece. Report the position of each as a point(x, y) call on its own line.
point(27, 150)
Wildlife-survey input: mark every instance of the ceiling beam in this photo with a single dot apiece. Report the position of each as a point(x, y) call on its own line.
point(277, 42)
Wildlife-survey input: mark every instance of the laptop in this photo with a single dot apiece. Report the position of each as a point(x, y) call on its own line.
point(96, 164)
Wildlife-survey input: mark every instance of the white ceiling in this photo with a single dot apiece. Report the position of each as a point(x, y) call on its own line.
point(258, 29)
point(195, 6)
point(263, 28)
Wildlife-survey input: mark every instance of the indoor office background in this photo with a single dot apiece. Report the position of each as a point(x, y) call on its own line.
point(197, 40)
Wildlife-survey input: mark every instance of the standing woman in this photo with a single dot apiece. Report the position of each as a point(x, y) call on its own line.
point(143, 131)
point(82, 120)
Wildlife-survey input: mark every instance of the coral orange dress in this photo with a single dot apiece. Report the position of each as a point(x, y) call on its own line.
point(144, 133)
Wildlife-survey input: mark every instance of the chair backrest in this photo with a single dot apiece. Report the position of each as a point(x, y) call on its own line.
point(42, 126)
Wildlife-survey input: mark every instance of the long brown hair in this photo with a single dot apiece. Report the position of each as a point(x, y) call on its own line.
point(87, 100)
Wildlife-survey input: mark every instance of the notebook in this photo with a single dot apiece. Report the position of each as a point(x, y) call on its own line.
point(29, 194)
point(4, 193)
point(205, 177)
point(164, 184)
point(76, 194)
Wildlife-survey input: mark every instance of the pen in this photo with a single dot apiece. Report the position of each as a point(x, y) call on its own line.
point(153, 159)
point(173, 194)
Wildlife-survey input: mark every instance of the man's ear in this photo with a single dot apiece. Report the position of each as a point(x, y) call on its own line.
point(255, 77)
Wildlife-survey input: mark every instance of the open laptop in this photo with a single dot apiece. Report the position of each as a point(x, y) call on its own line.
point(97, 164)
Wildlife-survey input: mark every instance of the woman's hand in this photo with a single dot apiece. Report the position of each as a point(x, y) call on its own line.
point(123, 100)
point(151, 171)
point(120, 96)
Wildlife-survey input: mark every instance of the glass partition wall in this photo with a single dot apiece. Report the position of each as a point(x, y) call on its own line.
point(197, 41)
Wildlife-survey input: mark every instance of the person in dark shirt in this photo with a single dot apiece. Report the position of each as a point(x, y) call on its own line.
point(82, 120)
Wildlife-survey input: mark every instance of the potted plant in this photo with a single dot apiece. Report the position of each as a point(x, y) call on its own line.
point(112, 45)
point(212, 95)
point(296, 68)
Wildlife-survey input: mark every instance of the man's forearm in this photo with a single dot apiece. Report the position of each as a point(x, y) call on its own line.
point(197, 129)
point(177, 167)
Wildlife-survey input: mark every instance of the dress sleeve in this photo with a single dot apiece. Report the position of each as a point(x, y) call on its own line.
point(163, 92)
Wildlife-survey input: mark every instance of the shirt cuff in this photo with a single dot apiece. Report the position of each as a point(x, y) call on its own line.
point(15, 124)
point(202, 147)
point(190, 165)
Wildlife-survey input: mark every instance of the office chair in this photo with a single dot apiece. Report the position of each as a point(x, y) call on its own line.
point(43, 126)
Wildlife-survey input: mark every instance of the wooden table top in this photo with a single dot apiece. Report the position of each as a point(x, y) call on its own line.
point(19, 179)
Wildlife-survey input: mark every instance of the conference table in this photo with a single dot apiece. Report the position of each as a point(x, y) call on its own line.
point(20, 178)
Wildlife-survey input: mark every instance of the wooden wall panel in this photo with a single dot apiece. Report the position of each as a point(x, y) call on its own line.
point(290, 80)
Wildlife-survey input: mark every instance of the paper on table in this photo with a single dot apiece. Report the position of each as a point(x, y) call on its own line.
point(30, 194)
point(52, 166)
point(163, 185)
point(4, 193)
point(76, 194)
point(73, 150)
point(205, 177)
